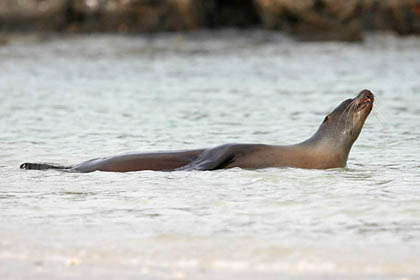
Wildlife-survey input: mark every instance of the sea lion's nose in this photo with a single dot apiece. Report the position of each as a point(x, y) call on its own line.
point(366, 94)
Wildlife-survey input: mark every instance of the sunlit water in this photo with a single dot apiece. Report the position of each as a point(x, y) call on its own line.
point(66, 100)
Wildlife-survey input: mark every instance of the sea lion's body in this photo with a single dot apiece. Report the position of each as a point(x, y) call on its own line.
point(327, 148)
point(164, 161)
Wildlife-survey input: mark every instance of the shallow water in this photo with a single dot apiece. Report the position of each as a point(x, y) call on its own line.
point(69, 99)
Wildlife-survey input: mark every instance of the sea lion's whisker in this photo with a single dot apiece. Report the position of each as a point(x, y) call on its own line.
point(378, 115)
point(377, 111)
point(345, 110)
point(348, 108)
point(352, 106)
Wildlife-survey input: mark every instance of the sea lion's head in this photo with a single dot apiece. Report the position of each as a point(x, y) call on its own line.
point(343, 125)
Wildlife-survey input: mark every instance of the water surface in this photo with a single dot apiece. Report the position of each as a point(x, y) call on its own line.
point(69, 99)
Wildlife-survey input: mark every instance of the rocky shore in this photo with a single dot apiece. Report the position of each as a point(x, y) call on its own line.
point(308, 19)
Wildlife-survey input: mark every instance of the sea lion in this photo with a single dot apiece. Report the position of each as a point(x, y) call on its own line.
point(329, 147)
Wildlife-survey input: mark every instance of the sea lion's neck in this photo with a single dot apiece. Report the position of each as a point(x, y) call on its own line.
point(323, 151)
point(337, 141)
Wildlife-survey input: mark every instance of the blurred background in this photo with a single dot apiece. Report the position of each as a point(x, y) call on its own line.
point(309, 19)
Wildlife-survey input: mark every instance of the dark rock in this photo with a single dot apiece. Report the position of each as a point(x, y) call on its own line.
point(313, 19)
point(154, 15)
point(32, 14)
point(402, 16)
point(339, 19)
point(133, 15)
point(3, 41)
point(222, 13)
point(308, 19)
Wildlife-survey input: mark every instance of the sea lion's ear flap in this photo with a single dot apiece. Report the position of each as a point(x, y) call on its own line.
point(326, 119)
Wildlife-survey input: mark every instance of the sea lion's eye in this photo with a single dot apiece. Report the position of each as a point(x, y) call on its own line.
point(326, 119)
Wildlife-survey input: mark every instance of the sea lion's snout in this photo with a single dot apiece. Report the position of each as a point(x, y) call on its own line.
point(366, 96)
point(364, 99)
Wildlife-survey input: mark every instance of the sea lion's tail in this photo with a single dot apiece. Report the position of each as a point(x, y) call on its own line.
point(41, 166)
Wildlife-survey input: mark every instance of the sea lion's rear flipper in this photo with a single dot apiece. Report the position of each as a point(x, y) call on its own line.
point(42, 166)
point(213, 158)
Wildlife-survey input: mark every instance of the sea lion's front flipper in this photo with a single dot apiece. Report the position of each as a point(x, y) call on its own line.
point(213, 158)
